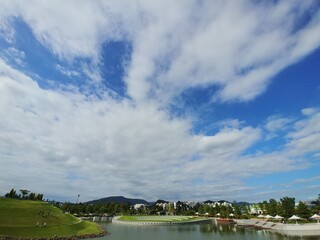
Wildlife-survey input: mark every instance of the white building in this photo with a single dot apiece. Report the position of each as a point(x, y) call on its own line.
point(139, 205)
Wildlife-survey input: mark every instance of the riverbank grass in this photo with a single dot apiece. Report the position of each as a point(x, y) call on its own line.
point(159, 218)
point(23, 218)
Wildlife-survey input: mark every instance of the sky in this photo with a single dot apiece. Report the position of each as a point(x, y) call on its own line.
point(176, 100)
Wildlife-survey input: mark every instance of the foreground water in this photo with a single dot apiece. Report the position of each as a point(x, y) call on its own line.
point(191, 232)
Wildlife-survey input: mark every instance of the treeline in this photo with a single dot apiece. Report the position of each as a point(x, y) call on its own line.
point(24, 195)
point(286, 207)
point(85, 209)
point(127, 209)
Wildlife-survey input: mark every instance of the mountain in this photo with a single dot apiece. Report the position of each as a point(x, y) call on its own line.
point(118, 199)
point(243, 203)
point(220, 201)
point(161, 201)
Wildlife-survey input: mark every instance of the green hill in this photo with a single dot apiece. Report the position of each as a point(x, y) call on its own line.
point(22, 218)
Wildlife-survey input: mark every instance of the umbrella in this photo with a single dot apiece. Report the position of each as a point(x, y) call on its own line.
point(218, 214)
point(316, 217)
point(231, 214)
point(260, 216)
point(268, 216)
point(294, 217)
point(278, 217)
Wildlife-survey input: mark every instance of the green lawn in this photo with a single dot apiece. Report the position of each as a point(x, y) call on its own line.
point(159, 218)
point(20, 217)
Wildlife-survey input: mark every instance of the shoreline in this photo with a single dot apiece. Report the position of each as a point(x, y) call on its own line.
point(148, 223)
point(103, 233)
point(75, 237)
point(307, 229)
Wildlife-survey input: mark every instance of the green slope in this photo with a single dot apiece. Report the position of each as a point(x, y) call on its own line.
point(21, 217)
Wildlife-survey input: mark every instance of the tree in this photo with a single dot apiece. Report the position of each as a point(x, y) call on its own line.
point(288, 206)
point(24, 193)
point(280, 210)
point(302, 210)
point(39, 197)
point(272, 207)
point(32, 196)
point(237, 211)
point(11, 194)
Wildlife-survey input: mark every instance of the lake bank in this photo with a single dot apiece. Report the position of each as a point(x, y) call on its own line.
point(307, 229)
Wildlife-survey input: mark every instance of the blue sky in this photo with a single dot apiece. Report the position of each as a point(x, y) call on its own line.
point(191, 100)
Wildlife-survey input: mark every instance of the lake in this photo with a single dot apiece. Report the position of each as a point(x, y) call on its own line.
point(190, 232)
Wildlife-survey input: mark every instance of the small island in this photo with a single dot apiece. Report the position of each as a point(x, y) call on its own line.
point(160, 220)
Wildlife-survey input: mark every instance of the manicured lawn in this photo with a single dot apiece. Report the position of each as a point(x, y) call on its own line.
point(159, 218)
point(20, 218)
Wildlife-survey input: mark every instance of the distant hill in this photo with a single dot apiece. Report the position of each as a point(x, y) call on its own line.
point(161, 201)
point(243, 203)
point(220, 201)
point(118, 199)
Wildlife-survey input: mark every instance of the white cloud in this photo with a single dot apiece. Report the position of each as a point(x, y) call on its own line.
point(276, 123)
point(54, 139)
point(237, 46)
point(302, 136)
point(306, 136)
point(66, 142)
point(67, 72)
point(14, 54)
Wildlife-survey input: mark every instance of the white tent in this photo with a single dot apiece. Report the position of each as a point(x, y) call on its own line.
point(294, 217)
point(316, 217)
point(278, 217)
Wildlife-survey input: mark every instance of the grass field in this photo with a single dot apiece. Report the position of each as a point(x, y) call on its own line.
point(20, 218)
point(159, 218)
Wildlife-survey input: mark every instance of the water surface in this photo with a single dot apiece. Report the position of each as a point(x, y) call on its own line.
point(190, 232)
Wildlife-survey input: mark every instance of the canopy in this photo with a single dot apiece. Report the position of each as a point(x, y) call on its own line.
point(260, 216)
point(278, 217)
point(231, 214)
point(315, 216)
point(294, 217)
point(268, 216)
point(218, 214)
